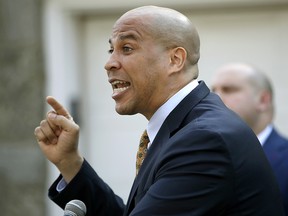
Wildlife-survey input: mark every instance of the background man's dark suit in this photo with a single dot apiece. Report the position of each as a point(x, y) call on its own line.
point(203, 161)
point(276, 149)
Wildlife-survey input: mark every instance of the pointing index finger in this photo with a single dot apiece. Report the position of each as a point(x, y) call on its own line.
point(59, 109)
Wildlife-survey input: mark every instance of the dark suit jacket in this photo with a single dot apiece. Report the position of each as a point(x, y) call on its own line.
point(276, 149)
point(203, 161)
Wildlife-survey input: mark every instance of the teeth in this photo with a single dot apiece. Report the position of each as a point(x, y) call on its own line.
point(120, 89)
point(116, 86)
point(117, 82)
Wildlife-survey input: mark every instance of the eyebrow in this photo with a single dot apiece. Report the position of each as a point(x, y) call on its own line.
point(124, 37)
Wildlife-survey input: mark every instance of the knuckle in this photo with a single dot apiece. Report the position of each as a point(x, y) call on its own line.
point(36, 131)
point(77, 128)
point(43, 123)
point(51, 111)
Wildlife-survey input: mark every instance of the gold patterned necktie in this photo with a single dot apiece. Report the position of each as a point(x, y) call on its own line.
point(142, 150)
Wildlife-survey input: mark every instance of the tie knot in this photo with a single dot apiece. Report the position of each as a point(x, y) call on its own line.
point(144, 140)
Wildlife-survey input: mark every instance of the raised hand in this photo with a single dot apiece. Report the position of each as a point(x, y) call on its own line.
point(58, 137)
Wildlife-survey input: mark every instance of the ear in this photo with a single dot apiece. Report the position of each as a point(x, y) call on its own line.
point(265, 101)
point(178, 58)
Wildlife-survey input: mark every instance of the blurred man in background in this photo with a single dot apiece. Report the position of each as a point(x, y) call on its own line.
point(249, 93)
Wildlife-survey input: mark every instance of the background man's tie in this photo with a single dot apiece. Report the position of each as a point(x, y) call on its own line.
point(142, 150)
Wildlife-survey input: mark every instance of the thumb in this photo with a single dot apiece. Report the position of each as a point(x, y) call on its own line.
point(61, 121)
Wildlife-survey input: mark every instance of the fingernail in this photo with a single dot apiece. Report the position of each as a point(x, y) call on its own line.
point(51, 115)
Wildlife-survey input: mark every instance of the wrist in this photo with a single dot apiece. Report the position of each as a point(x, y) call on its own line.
point(70, 167)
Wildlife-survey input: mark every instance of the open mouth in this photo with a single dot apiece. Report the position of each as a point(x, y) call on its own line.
point(120, 86)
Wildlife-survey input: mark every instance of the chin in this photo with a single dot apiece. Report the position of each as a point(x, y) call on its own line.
point(124, 111)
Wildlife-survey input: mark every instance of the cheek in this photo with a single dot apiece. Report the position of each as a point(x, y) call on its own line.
point(228, 100)
point(242, 105)
point(145, 70)
point(233, 102)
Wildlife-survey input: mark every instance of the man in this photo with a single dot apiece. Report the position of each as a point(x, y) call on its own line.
point(196, 163)
point(248, 92)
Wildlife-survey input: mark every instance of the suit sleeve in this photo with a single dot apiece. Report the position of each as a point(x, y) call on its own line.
point(88, 187)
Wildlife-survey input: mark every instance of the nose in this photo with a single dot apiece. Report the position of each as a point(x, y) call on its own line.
point(113, 63)
point(216, 91)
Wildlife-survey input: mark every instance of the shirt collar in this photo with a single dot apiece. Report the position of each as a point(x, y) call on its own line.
point(263, 135)
point(161, 114)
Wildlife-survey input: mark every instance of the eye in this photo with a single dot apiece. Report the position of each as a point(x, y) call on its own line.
point(127, 49)
point(230, 89)
point(110, 51)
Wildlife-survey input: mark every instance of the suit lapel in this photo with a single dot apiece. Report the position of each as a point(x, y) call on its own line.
point(177, 116)
point(170, 126)
point(145, 168)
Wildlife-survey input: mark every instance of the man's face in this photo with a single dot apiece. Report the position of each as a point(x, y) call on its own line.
point(136, 68)
point(237, 93)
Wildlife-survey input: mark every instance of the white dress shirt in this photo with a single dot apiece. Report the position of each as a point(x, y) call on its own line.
point(263, 135)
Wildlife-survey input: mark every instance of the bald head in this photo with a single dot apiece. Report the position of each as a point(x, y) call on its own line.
point(246, 73)
point(247, 91)
point(169, 27)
